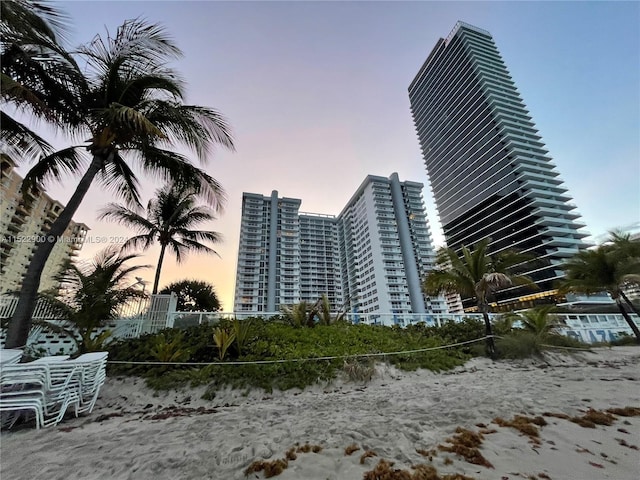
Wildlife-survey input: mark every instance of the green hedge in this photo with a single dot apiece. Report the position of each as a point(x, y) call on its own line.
point(274, 340)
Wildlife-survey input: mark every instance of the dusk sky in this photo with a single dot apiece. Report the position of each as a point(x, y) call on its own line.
point(316, 93)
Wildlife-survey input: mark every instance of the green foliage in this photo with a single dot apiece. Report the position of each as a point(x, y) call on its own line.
point(524, 344)
point(194, 296)
point(323, 312)
point(95, 343)
point(276, 340)
point(610, 267)
point(475, 273)
point(538, 321)
point(169, 350)
point(519, 345)
point(300, 314)
point(558, 340)
point(605, 268)
point(91, 294)
point(223, 338)
point(450, 331)
point(242, 331)
point(502, 325)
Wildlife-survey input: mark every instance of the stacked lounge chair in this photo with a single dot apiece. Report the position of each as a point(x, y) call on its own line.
point(47, 387)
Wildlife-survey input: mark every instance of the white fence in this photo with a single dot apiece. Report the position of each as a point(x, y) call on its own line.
point(146, 316)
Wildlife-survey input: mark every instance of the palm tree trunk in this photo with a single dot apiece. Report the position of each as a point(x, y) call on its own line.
point(491, 345)
point(20, 325)
point(630, 303)
point(629, 320)
point(156, 281)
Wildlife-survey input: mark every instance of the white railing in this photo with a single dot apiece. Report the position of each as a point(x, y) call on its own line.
point(45, 310)
point(189, 319)
point(148, 315)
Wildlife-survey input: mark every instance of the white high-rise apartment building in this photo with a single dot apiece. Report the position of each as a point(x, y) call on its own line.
point(371, 258)
point(320, 259)
point(268, 270)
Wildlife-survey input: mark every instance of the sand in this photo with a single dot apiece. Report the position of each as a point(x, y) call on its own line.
point(134, 434)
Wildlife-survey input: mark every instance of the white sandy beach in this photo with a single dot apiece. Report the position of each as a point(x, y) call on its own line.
point(167, 437)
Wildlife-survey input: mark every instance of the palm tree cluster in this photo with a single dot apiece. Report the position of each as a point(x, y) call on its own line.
point(611, 267)
point(476, 274)
point(119, 102)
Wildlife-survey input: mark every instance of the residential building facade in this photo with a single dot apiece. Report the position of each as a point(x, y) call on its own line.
point(268, 268)
point(371, 258)
point(24, 221)
point(489, 170)
point(386, 248)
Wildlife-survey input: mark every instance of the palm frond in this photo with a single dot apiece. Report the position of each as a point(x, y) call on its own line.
point(20, 142)
point(125, 216)
point(118, 177)
point(173, 167)
point(21, 18)
point(199, 128)
point(54, 166)
point(139, 43)
point(121, 118)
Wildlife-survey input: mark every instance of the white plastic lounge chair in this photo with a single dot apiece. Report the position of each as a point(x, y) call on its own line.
point(10, 356)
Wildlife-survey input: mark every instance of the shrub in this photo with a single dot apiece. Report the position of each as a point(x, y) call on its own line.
point(169, 350)
point(242, 330)
point(564, 341)
point(518, 345)
point(275, 340)
point(623, 340)
point(359, 369)
point(223, 338)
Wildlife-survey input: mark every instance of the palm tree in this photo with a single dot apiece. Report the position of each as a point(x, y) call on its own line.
point(38, 76)
point(194, 296)
point(169, 220)
point(538, 321)
point(628, 251)
point(300, 314)
point(129, 107)
point(475, 274)
point(609, 268)
point(93, 294)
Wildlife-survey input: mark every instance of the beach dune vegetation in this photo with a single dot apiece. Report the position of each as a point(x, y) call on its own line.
point(298, 355)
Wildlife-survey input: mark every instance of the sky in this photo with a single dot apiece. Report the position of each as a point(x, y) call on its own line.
point(316, 94)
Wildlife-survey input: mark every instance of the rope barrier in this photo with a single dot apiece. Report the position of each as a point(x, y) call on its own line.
point(566, 348)
point(295, 360)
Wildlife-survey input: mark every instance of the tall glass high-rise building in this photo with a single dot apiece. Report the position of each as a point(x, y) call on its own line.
point(490, 173)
